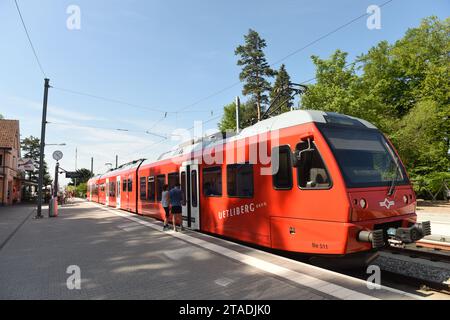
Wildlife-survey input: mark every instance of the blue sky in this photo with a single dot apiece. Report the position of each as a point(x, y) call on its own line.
point(166, 55)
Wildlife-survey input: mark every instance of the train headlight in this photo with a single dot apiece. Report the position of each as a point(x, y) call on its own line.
point(405, 199)
point(363, 203)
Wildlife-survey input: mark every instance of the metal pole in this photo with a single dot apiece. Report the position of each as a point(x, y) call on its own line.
point(42, 150)
point(76, 159)
point(117, 161)
point(5, 178)
point(92, 165)
point(55, 191)
point(238, 107)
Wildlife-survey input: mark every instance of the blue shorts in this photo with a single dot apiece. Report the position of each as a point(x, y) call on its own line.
point(176, 209)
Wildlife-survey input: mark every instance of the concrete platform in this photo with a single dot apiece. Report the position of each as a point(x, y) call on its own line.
point(124, 256)
point(439, 215)
point(440, 222)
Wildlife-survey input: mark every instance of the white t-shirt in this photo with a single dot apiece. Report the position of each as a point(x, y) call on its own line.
point(165, 199)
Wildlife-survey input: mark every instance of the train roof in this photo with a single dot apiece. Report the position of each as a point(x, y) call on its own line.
point(124, 167)
point(285, 120)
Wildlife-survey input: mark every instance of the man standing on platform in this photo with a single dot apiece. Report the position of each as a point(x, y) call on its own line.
point(176, 197)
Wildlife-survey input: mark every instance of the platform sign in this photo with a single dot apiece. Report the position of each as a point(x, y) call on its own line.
point(72, 175)
point(57, 155)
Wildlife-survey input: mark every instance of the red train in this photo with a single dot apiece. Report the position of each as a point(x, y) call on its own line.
point(328, 184)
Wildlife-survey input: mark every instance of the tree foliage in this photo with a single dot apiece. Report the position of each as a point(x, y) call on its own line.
point(255, 69)
point(31, 150)
point(84, 175)
point(403, 88)
point(80, 191)
point(247, 116)
point(280, 95)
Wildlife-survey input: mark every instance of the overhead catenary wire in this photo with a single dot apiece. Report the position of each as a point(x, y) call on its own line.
point(302, 83)
point(108, 129)
point(29, 39)
point(117, 101)
point(311, 43)
point(326, 35)
point(230, 86)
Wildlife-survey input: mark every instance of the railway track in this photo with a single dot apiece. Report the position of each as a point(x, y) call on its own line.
point(426, 249)
point(438, 255)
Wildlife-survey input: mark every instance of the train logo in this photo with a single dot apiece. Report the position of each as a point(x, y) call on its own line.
point(386, 203)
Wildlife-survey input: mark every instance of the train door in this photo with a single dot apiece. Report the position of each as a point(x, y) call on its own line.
point(190, 186)
point(118, 192)
point(90, 192)
point(107, 192)
point(128, 193)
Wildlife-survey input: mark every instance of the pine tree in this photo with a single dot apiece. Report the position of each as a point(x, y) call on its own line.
point(281, 92)
point(255, 69)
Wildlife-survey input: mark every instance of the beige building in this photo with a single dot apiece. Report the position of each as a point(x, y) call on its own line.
point(10, 179)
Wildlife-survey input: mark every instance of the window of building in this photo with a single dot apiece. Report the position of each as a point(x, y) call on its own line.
point(151, 189)
point(161, 180)
point(143, 188)
point(240, 180)
point(282, 177)
point(174, 178)
point(130, 185)
point(212, 182)
point(194, 188)
point(1, 159)
point(311, 171)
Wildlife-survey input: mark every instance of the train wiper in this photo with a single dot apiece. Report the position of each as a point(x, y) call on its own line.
point(397, 171)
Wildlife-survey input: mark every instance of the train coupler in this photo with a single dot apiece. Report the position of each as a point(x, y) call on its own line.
point(376, 237)
point(411, 234)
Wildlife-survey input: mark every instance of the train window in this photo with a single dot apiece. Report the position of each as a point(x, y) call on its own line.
point(183, 187)
point(161, 180)
point(194, 188)
point(143, 188)
point(151, 189)
point(212, 182)
point(174, 178)
point(130, 185)
point(124, 185)
point(112, 189)
point(312, 173)
point(240, 180)
point(282, 173)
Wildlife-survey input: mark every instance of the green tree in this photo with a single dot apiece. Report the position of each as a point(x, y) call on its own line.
point(255, 69)
point(31, 150)
point(247, 116)
point(281, 92)
point(1, 116)
point(84, 176)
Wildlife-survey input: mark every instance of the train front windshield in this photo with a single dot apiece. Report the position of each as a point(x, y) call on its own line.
point(365, 157)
